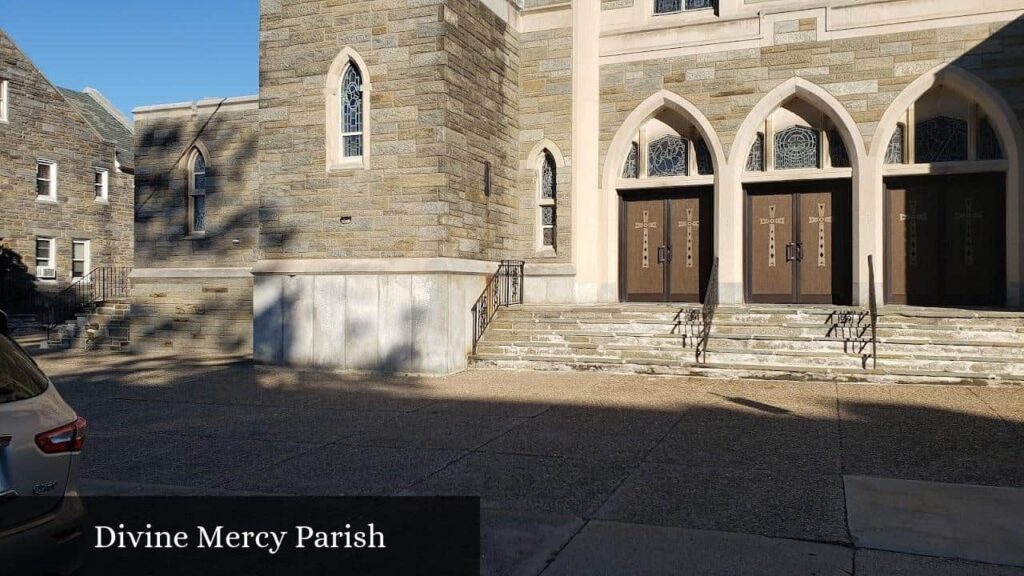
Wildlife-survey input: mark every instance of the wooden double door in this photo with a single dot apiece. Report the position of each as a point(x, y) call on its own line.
point(666, 245)
point(946, 240)
point(798, 243)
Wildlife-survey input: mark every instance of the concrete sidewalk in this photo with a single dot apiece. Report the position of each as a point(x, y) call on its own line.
point(578, 473)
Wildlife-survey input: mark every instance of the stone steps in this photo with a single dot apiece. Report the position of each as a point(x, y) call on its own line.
point(926, 344)
point(106, 327)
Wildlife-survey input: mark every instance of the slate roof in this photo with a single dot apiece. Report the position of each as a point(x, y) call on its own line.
point(107, 120)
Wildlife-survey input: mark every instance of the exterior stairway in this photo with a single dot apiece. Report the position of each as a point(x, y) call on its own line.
point(761, 341)
point(104, 327)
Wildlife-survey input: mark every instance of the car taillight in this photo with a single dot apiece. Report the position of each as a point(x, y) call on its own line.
point(67, 438)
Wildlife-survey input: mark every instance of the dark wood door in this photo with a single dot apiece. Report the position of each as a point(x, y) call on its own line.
point(667, 246)
point(799, 246)
point(946, 241)
point(772, 241)
point(645, 253)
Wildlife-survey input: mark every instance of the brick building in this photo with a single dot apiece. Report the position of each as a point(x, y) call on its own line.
point(396, 152)
point(66, 183)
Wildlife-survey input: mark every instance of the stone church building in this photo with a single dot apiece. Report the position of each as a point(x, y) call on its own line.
point(350, 214)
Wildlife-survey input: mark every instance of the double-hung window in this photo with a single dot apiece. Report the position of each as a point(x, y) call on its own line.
point(46, 179)
point(101, 183)
point(45, 259)
point(79, 258)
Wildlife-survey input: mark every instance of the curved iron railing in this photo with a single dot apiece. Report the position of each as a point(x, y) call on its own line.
point(707, 314)
point(504, 288)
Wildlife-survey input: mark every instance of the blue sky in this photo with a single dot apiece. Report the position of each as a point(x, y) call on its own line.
point(139, 52)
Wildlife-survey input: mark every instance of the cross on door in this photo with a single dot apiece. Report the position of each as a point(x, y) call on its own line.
point(689, 224)
point(968, 215)
point(771, 221)
point(912, 218)
point(645, 226)
point(820, 220)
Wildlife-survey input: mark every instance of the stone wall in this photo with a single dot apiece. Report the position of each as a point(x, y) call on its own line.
point(43, 125)
point(864, 73)
point(194, 293)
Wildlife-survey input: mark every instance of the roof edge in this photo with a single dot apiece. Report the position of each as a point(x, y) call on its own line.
point(236, 102)
point(109, 107)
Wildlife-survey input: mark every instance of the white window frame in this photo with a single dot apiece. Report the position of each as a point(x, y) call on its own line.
point(193, 192)
point(86, 262)
point(52, 195)
point(4, 102)
point(50, 258)
point(101, 188)
point(336, 159)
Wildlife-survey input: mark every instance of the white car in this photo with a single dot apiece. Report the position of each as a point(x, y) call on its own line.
point(41, 516)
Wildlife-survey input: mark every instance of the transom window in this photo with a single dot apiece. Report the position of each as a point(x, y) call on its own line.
point(352, 113)
point(675, 6)
point(547, 202)
point(197, 193)
point(667, 145)
point(797, 136)
point(46, 179)
point(947, 128)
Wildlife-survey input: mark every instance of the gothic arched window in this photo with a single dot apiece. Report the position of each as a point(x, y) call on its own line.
point(631, 169)
point(755, 158)
point(547, 200)
point(197, 192)
point(797, 147)
point(351, 94)
point(940, 139)
point(668, 156)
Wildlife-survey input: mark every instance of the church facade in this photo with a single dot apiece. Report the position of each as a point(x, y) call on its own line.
point(625, 150)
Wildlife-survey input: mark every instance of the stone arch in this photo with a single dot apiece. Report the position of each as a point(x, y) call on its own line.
point(335, 161)
point(655, 103)
point(535, 153)
point(1011, 138)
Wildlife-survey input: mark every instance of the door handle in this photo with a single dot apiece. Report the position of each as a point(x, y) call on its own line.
point(799, 251)
point(790, 252)
point(662, 254)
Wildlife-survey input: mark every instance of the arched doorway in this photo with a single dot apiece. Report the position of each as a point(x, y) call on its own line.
point(946, 201)
point(798, 208)
point(666, 211)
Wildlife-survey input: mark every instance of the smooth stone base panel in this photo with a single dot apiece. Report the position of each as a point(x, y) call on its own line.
point(410, 323)
point(983, 523)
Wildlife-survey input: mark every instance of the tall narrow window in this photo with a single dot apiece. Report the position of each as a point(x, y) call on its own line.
point(548, 193)
point(100, 183)
point(988, 142)
point(197, 193)
point(755, 158)
point(3, 101)
point(631, 168)
point(79, 258)
point(838, 156)
point(895, 153)
point(352, 113)
point(46, 179)
point(45, 267)
point(704, 163)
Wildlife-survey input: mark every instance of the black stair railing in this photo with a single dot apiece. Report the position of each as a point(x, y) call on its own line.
point(98, 285)
point(504, 288)
point(707, 315)
point(873, 314)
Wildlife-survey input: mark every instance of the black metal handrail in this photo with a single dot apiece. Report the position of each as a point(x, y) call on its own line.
point(873, 312)
point(98, 285)
point(707, 314)
point(504, 288)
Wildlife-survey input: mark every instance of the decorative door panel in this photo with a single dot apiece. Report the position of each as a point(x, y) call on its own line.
point(975, 225)
point(914, 245)
point(645, 250)
point(815, 251)
point(771, 248)
point(690, 234)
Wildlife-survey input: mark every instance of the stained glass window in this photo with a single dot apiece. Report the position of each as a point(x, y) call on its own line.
point(704, 163)
point(755, 158)
point(699, 4)
point(988, 142)
point(670, 6)
point(837, 150)
point(197, 193)
point(352, 112)
point(895, 152)
point(631, 169)
point(940, 139)
point(668, 156)
point(797, 147)
point(547, 178)
point(548, 223)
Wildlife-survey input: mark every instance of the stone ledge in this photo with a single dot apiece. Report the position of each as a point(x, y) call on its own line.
point(375, 266)
point(172, 273)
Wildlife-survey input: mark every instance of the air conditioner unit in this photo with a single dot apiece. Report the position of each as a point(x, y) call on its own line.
point(46, 273)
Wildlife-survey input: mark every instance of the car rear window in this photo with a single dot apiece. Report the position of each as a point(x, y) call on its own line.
point(20, 378)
